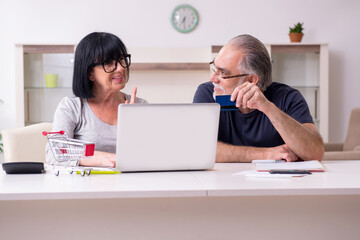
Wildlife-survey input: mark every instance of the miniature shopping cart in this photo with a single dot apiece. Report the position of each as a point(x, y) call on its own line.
point(68, 152)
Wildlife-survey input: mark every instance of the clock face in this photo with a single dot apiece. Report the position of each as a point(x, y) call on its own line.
point(184, 18)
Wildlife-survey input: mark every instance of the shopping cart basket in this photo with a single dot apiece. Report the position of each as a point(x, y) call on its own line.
point(68, 152)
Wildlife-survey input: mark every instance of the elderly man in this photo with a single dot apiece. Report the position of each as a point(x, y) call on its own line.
point(271, 120)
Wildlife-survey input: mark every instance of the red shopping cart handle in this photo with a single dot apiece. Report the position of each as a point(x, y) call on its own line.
point(59, 132)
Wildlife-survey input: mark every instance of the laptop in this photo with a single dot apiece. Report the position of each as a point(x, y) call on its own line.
point(166, 137)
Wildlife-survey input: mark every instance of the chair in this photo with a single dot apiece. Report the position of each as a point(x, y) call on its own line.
point(25, 144)
point(350, 149)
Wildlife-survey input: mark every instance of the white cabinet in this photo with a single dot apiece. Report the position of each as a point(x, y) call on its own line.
point(38, 102)
point(306, 68)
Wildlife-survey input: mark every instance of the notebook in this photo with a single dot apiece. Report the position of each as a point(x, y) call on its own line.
point(312, 166)
point(166, 137)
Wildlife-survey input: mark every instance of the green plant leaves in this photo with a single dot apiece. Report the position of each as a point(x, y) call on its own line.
point(297, 28)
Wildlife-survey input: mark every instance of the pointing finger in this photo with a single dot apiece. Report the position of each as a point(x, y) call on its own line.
point(133, 95)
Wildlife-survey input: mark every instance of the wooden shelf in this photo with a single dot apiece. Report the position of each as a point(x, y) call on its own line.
point(50, 88)
point(295, 48)
point(48, 48)
point(169, 66)
point(284, 48)
point(216, 48)
point(40, 49)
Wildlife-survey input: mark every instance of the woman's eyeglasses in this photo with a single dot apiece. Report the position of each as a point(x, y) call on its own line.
point(111, 65)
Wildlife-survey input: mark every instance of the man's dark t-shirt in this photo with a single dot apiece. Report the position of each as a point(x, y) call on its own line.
point(255, 129)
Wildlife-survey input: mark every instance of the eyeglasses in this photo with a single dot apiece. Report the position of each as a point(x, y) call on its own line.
point(111, 65)
point(216, 71)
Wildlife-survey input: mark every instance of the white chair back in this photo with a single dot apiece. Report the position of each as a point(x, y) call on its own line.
point(25, 144)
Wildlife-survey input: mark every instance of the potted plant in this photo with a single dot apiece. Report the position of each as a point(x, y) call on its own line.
point(296, 32)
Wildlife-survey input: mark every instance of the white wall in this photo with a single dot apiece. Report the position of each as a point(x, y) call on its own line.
point(141, 23)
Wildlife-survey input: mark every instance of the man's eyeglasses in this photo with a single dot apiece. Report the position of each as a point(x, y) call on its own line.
point(216, 71)
point(111, 65)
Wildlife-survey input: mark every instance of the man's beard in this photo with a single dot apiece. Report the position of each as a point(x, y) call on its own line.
point(218, 87)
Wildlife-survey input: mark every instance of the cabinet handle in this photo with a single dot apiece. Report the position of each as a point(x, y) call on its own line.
point(28, 104)
point(316, 91)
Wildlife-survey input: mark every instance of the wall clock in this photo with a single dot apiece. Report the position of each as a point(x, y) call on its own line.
point(184, 18)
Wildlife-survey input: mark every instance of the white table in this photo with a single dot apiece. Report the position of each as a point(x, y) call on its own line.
point(183, 205)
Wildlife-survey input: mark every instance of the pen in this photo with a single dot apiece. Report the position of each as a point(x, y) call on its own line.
point(289, 171)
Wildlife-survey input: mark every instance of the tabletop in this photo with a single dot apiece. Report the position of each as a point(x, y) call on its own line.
point(226, 179)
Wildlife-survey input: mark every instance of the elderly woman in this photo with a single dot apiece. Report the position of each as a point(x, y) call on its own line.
point(101, 71)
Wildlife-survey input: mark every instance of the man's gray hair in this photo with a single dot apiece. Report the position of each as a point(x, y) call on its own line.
point(256, 59)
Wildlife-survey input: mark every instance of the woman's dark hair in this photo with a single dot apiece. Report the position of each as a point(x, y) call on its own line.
point(97, 47)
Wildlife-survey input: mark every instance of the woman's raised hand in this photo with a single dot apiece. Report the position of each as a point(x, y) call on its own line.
point(133, 96)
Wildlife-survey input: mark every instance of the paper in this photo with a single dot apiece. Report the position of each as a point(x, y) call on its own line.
point(313, 166)
point(255, 174)
point(267, 161)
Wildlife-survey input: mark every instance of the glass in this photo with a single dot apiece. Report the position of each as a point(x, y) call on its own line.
point(111, 65)
point(216, 71)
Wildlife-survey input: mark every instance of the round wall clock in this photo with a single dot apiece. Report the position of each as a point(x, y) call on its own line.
point(184, 18)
